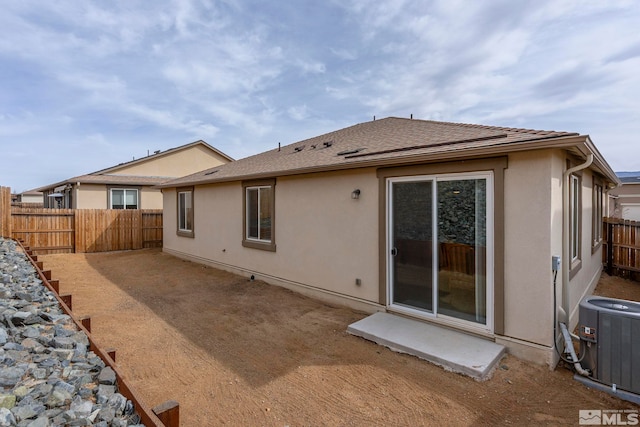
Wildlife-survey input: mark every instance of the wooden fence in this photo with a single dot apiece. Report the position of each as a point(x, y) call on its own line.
point(86, 230)
point(5, 212)
point(622, 248)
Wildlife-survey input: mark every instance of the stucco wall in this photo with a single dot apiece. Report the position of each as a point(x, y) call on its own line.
point(90, 196)
point(150, 198)
point(324, 238)
point(94, 196)
point(530, 219)
point(177, 164)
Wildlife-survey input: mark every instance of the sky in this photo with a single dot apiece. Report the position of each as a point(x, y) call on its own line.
point(88, 85)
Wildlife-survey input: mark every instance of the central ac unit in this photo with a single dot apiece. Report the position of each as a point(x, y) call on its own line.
point(610, 331)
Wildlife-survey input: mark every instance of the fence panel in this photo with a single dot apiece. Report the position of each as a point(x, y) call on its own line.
point(622, 247)
point(103, 230)
point(44, 230)
point(152, 228)
point(86, 230)
point(5, 212)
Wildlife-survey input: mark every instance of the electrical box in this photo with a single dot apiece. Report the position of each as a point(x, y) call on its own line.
point(555, 263)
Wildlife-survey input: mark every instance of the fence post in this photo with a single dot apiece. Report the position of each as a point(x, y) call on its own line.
point(609, 248)
point(5, 212)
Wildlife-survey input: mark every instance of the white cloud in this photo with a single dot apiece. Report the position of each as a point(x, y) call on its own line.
point(243, 76)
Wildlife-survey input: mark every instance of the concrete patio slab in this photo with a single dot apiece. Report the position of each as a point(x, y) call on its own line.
point(454, 351)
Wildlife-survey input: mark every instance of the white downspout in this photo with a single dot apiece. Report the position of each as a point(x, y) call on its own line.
point(566, 262)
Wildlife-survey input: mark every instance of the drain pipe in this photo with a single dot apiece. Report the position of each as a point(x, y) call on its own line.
point(565, 310)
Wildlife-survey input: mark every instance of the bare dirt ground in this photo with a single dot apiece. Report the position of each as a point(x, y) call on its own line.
point(237, 352)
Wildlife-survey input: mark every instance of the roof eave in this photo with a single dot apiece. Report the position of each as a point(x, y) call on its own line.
point(564, 142)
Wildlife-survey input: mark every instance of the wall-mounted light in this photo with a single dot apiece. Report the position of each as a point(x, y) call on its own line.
point(355, 194)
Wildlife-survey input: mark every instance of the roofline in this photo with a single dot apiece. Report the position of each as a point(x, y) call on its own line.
point(574, 140)
point(77, 179)
point(162, 154)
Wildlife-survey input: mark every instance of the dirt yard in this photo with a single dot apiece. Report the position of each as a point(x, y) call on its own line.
point(236, 352)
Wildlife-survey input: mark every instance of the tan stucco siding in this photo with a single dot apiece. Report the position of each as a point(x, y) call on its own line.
point(150, 198)
point(178, 164)
point(95, 196)
point(530, 219)
point(91, 196)
point(324, 238)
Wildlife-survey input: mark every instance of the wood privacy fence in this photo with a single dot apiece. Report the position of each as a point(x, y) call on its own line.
point(86, 230)
point(622, 248)
point(5, 212)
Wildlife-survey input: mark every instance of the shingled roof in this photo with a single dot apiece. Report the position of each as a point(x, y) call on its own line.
point(109, 176)
point(380, 142)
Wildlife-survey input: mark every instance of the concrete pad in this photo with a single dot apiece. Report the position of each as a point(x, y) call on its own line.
point(455, 351)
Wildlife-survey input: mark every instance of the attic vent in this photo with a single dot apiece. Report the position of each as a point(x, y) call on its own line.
point(211, 172)
point(327, 144)
point(299, 149)
point(347, 152)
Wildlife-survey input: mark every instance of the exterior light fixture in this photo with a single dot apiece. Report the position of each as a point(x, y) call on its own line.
point(355, 194)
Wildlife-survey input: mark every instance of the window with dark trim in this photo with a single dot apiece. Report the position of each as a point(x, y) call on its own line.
point(575, 222)
point(123, 198)
point(185, 212)
point(259, 214)
point(597, 214)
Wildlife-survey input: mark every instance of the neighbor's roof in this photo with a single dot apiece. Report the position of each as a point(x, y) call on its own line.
point(106, 176)
point(390, 141)
point(633, 179)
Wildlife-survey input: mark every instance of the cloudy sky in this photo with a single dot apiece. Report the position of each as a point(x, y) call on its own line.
point(87, 85)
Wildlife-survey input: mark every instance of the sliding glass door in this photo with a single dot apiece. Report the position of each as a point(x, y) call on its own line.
point(440, 245)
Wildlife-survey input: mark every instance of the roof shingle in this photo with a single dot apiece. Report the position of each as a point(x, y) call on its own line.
point(355, 146)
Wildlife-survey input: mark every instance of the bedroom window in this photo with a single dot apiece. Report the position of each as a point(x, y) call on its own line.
point(259, 215)
point(185, 212)
point(124, 198)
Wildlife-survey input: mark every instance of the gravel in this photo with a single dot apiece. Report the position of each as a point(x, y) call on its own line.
point(48, 376)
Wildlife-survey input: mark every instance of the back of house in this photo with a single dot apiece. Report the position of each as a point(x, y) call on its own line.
point(452, 224)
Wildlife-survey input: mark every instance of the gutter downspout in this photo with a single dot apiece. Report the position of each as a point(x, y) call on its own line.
point(566, 262)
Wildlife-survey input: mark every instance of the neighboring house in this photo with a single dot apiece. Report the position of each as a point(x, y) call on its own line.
point(624, 201)
point(30, 197)
point(454, 224)
point(130, 185)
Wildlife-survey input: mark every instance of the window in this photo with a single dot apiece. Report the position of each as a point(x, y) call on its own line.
point(185, 212)
point(124, 198)
point(259, 215)
point(597, 216)
point(574, 218)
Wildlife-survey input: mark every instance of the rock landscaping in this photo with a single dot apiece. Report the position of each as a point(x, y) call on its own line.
point(48, 375)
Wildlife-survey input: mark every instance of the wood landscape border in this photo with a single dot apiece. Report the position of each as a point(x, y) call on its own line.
point(166, 414)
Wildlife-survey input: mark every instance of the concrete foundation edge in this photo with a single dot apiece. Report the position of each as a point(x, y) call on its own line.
point(328, 297)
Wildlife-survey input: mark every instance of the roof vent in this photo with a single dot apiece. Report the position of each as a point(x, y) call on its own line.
point(299, 149)
point(211, 172)
point(327, 144)
point(347, 152)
